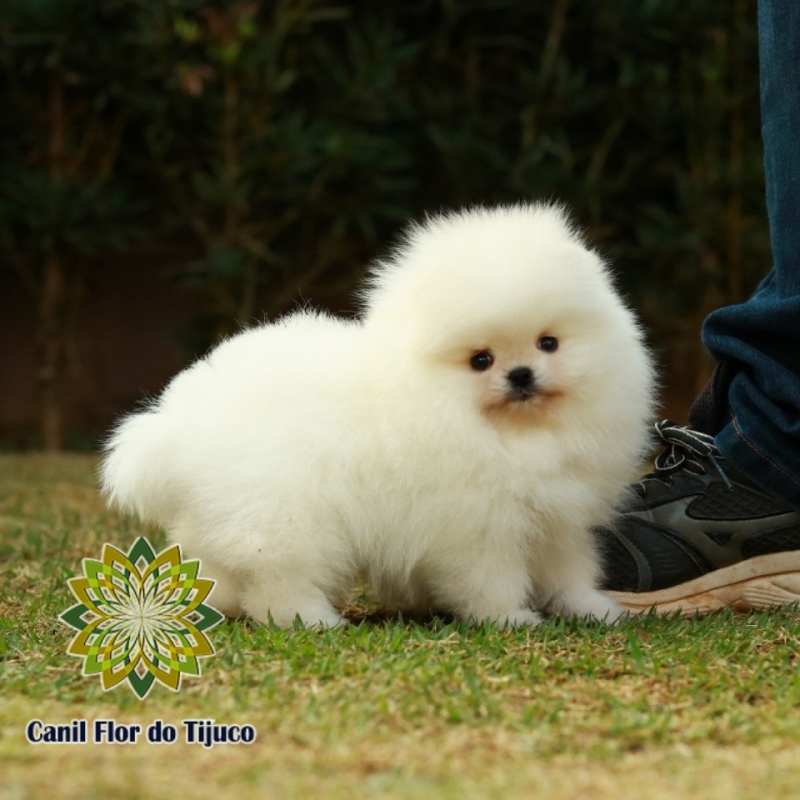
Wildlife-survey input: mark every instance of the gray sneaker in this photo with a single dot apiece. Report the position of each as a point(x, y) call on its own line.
point(699, 536)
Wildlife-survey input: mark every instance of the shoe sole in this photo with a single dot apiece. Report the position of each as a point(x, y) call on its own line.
point(757, 583)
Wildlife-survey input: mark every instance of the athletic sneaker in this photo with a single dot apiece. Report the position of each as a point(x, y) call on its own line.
point(699, 536)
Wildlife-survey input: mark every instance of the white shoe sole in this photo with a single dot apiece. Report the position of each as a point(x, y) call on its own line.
point(757, 583)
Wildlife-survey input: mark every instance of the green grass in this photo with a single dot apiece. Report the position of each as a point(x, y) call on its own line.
point(704, 707)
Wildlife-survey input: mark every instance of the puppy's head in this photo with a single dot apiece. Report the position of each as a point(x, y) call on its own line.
point(517, 315)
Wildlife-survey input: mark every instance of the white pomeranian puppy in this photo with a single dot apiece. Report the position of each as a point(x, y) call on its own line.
point(455, 445)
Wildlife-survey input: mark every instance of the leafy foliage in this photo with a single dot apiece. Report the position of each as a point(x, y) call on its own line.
point(65, 80)
point(287, 140)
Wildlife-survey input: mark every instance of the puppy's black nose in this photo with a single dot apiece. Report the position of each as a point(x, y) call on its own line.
point(520, 377)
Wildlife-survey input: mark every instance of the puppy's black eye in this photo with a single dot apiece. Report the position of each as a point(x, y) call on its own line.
point(548, 344)
point(480, 362)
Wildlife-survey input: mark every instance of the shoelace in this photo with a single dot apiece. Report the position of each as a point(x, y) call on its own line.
point(685, 450)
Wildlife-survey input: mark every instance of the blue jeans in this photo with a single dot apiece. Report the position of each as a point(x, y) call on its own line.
point(761, 337)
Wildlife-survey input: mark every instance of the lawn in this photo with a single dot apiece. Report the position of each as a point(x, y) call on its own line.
point(672, 708)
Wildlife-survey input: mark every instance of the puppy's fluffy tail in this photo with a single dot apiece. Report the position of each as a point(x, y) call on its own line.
point(135, 475)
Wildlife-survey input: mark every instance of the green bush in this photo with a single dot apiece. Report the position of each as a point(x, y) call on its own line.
point(286, 142)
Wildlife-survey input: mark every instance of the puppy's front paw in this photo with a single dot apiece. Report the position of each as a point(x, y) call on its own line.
point(523, 617)
point(514, 619)
point(592, 605)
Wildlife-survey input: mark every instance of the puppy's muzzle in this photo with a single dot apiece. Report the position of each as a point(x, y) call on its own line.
point(521, 383)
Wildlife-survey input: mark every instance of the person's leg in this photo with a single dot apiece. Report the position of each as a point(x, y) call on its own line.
point(717, 522)
point(760, 429)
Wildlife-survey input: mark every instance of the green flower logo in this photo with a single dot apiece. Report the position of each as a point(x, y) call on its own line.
point(140, 617)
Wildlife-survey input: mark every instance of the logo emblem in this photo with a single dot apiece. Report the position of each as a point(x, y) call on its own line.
point(140, 617)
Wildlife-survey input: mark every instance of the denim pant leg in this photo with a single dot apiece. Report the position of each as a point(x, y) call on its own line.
point(762, 336)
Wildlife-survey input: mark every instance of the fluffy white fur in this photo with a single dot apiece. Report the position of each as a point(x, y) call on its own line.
point(300, 453)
